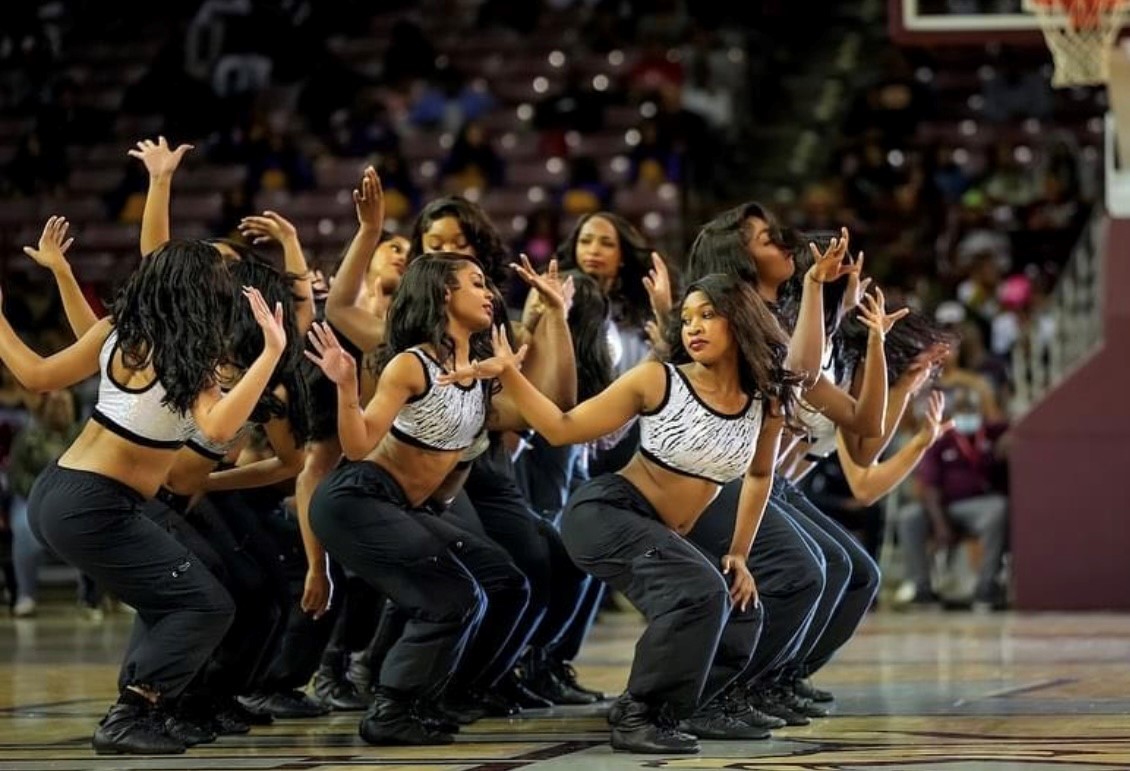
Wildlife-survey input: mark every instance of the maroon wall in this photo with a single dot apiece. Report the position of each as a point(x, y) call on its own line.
point(1070, 467)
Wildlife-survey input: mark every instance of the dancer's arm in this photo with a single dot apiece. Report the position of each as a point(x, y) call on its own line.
point(362, 430)
point(865, 415)
point(363, 329)
point(71, 365)
point(287, 462)
point(806, 346)
point(550, 363)
point(756, 484)
point(272, 226)
point(634, 392)
point(219, 417)
point(865, 450)
point(161, 163)
point(51, 253)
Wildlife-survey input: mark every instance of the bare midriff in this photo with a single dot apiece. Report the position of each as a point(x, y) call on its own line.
point(101, 451)
point(677, 498)
point(419, 472)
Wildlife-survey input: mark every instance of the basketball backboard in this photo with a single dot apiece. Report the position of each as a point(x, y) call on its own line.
point(928, 22)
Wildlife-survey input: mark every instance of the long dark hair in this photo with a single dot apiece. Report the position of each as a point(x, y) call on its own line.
point(588, 319)
point(908, 338)
point(722, 245)
point(628, 293)
point(417, 314)
point(481, 234)
point(762, 343)
point(175, 313)
point(247, 344)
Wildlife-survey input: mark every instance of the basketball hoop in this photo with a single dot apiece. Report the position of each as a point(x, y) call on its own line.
point(1081, 35)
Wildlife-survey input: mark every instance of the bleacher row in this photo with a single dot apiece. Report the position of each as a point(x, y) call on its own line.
point(518, 80)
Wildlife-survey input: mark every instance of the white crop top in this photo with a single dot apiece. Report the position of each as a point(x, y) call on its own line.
point(216, 451)
point(686, 436)
point(447, 418)
point(821, 430)
point(137, 414)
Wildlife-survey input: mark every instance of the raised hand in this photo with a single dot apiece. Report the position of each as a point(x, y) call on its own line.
point(873, 313)
point(504, 358)
point(330, 357)
point(936, 425)
point(743, 589)
point(53, 244)
point(550, 288)
point(923, 368)
point(830, 266)
point(271, 322)
point(370, 200)
point(657, 282)
point(159, 160)
point(856, 286)
point(270, 226)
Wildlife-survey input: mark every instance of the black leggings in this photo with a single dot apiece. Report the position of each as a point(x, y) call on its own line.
point(365, 522)
point(260, 612)
point(556, 584)
point(859, 593)
point(694, 645)
point(95, 523)
point(789, 570)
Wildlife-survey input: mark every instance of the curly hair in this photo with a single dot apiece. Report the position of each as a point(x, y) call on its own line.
point(247, 344)
point(417, 314)
point(762, 343)
point(588, 319)
point(490, 250)
point(909, 337)
point(175, 313)
point(629, 296)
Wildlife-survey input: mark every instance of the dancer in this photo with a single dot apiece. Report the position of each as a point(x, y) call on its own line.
point(724, 398)
point(158, 353)
point(401, 448)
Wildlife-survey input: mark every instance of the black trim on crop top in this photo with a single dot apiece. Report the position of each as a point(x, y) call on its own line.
point(158, 444)
point(114, 381)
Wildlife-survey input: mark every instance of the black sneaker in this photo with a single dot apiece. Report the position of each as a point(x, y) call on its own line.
point(804, 688)
point(431, 715)
point(738, 705)
point(336, 693)
point(638, 728)
point(283, 705)
point(133, 730)
point(188, 731)
point(713, 722)
point(515, 689)
point(564, 672)
point(786, 695)
point(391, 720)
point(227, 722)
point(767, 700)
point(241, 713)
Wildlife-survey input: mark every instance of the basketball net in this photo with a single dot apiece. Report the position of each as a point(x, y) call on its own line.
point(1081, 35)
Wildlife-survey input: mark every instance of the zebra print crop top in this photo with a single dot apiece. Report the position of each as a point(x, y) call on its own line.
point(137, 414)
point(446, 418)
point(821, 430)
point(686, 436)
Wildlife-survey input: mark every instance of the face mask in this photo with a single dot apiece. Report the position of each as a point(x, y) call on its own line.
point(967, 423)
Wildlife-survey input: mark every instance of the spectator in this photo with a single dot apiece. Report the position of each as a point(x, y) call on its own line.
point(472, 163)
point(585, 193)
point(960, 493)
point(41, 442)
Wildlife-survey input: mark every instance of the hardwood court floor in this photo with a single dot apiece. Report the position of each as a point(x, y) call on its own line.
point(917, 692)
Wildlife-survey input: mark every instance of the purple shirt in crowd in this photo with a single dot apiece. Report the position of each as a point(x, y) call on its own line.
point(962, 467)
